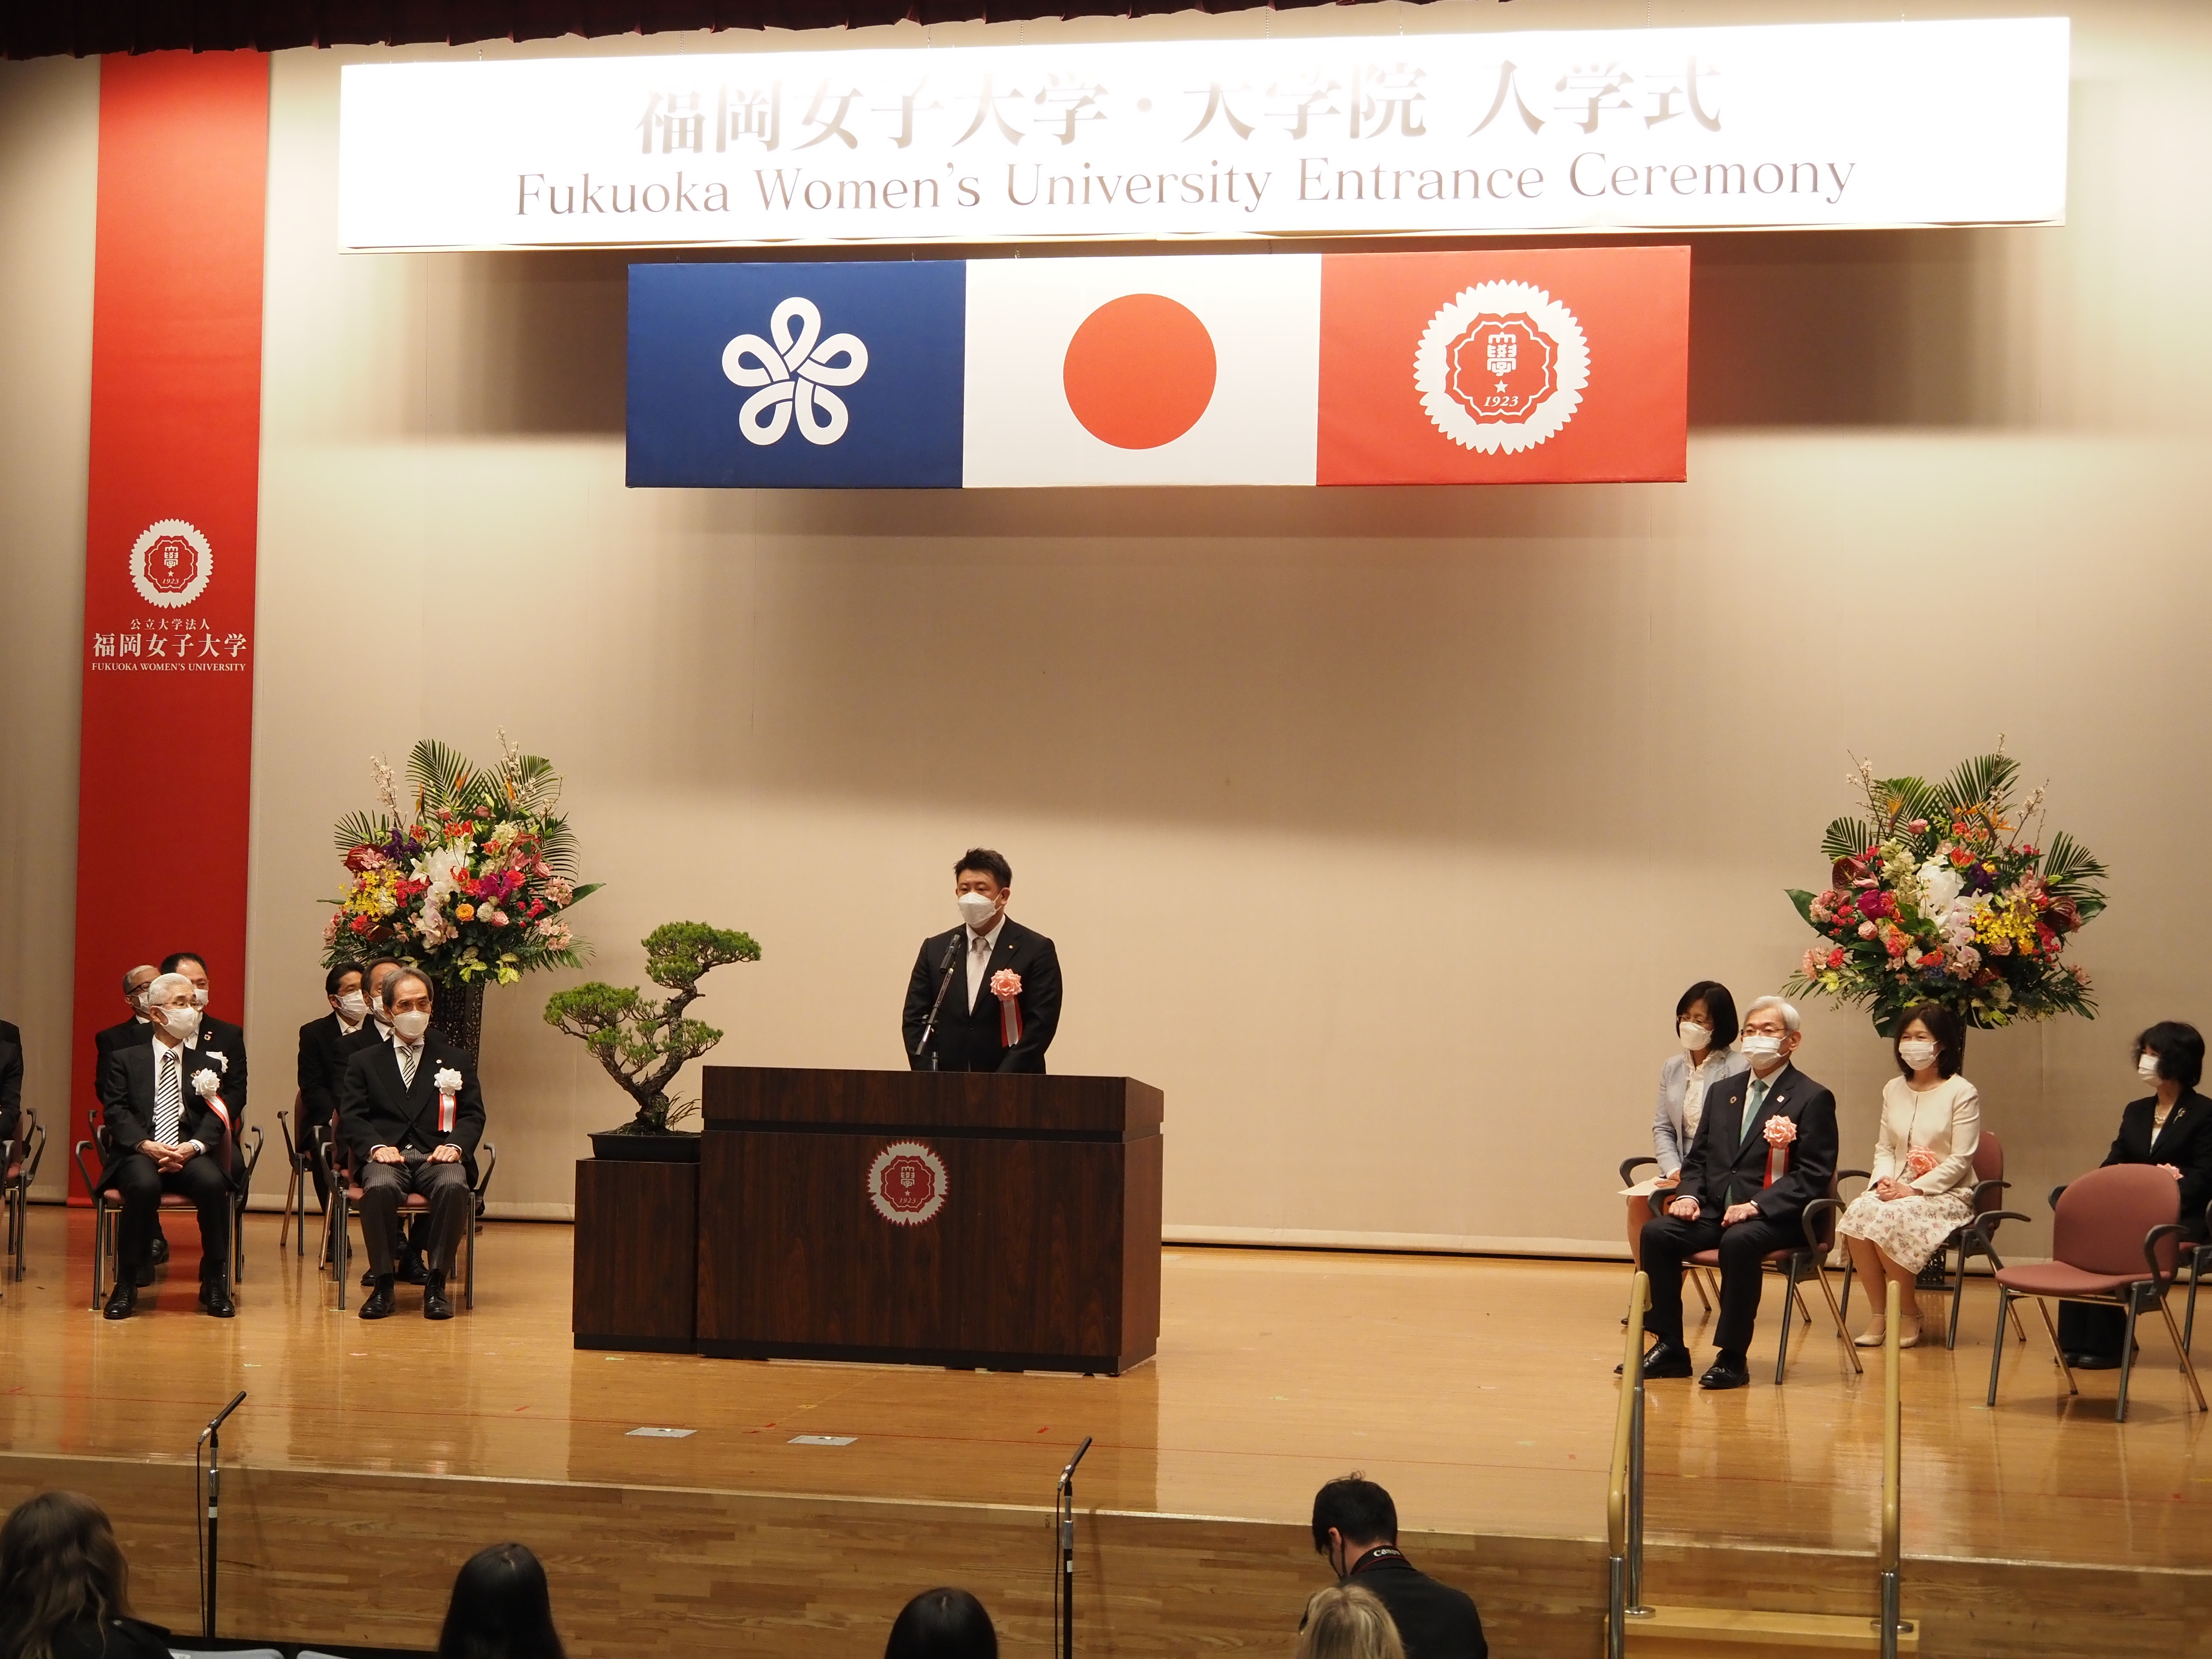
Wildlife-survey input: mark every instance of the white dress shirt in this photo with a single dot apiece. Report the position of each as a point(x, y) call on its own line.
point(980, 948)
point(191, 1045)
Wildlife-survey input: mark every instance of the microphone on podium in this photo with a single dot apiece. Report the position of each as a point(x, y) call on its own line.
point(944, 984)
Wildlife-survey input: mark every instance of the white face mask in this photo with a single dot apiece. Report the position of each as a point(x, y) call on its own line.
point(353, 1007)
point(183, 1024)
point(1694, 1035)
point(1917, 1053)
point(412, 1024)
point(200, 998)
point(976, 910)
point(1762, 1047)
point(2147, 1067)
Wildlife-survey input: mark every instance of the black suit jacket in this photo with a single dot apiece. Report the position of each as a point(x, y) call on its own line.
point(376, 1110)
point(2185, 1143)
point(323, 1051)
point(118, 1036)
point(1434, 1620)
point(1722, 1169)
point(220, 1036)
point(11, 1082)
point(968, 1041)
point(126, 1084)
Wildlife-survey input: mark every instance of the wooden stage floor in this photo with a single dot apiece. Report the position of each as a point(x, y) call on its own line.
point(1480, 1391)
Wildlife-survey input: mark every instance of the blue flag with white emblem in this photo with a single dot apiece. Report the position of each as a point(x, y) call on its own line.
point(796, 376)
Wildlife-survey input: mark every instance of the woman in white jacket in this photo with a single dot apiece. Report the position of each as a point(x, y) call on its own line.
point(1923, 1167)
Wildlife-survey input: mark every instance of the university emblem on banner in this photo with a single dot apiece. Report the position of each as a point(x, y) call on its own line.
point(171, 563)
point(794, 375)
point(1501, 367)
point(907, 1183)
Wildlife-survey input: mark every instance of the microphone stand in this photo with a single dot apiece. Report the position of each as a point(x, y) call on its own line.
point(212, 1436)
point(1063, 1604)
point(944, 984)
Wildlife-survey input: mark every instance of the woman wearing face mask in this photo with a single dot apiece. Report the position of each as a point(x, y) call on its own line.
point(1705, 1026)
point(1923, 1168)
point(2172, 1129)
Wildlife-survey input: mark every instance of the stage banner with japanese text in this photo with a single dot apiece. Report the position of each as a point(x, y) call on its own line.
point(167, 742)
point(1551, 366)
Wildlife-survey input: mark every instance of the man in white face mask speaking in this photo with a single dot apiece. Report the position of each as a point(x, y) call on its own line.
point(986, 996)
point(1766, 1149)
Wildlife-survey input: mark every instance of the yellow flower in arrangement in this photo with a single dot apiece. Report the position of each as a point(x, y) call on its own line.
point(2008, 926)
point(465, 912)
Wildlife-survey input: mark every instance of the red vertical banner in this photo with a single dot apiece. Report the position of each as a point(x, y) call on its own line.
point(166, 753)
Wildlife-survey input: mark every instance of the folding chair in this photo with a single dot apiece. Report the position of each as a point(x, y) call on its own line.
point(107, 1211)
point(300, 1175)
point(2099, 1219)
point(345, 1198)
point(2200, 1257)
point(1696, 1276)
point(1971, 1238)
point(19, 1168)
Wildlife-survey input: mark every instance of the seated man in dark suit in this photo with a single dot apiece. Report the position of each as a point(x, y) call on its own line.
point(1355, 1525)
point(321, 1062)
point(993, 985)
point(218, 1039)
point(137, 1028)
point(410, 1111)
point(1726, 1200)
point(374, 1030)
point(164, 1106)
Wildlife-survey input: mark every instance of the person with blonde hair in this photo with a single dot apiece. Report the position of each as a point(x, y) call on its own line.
point(1347, 1622)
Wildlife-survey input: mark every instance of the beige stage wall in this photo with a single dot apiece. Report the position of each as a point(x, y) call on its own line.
point(1380, 827)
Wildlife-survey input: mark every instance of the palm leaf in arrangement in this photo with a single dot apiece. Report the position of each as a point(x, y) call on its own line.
point(1846, 838)
point(1985, 778)
point(2069, 870)
point(1907, 799)
point(360, 829)
point(441, 775)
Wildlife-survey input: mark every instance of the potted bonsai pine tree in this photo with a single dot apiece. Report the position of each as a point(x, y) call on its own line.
point(644, 1043)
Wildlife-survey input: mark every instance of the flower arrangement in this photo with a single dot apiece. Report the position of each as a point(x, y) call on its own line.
point(1938, 896)
point(642, 1044)
point(471, 881)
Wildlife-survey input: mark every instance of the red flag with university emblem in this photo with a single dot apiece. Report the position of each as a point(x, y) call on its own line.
point(1558, 366)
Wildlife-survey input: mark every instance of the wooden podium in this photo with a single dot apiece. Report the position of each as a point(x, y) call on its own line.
point(944, 1218)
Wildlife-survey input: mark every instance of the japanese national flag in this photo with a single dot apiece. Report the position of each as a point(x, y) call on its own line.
point(1193, 370)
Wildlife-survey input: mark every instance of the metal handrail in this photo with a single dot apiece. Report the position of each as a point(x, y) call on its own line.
point(1893, 1438)
point(1624, 1497)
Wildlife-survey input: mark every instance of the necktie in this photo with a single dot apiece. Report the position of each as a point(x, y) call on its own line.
point(1754, 1098)
point(411, 1056)
point(168, 1099)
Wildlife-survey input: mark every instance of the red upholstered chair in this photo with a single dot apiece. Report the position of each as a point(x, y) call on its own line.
point(2114, 1240)
point(19, 1168)
point(299, 1176)
point(107, 1210)
point(1975, 1238)
point(1799, 1262)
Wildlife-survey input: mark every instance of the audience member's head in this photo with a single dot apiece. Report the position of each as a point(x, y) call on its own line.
point(2177, 1051)
point(1347, 1622)
point(1706, 1006)
point(193, 967)
point(169, 1005)
point(60, 1565)
point(374, 973)
point(342, 985)
point(501, 1608)
point(1351, 1516)
point(943, 1624)
point(134, 985)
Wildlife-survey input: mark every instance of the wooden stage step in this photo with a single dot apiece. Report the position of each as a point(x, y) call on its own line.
point(1677, 1632)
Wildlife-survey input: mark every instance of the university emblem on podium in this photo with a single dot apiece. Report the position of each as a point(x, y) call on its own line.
point(1501, 367)
point(171, 563)
point(907, 1183)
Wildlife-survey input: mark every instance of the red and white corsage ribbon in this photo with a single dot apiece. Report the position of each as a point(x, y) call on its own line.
point(449, 1084)
point(206, 1085)
point(1006, 985)
point(1780, 1132)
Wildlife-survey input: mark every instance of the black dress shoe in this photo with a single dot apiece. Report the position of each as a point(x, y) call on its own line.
point(368, 1278)
point(2094, 1361)
point(411, 1270)
point(1662, 1359)
point(124, 1302)
point(160, 1252)
point(215, 1298)
point(142, 1274)
point(1725, 1374)
point(377, 1304)
point(435, 1305)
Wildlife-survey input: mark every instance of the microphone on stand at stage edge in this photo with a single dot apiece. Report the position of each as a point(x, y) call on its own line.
point(944, 984)
point(1063, 1512)
point(211, 1438)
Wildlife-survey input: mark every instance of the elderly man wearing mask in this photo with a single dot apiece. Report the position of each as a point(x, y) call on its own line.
point(410, 1112)
point(169, 1130)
